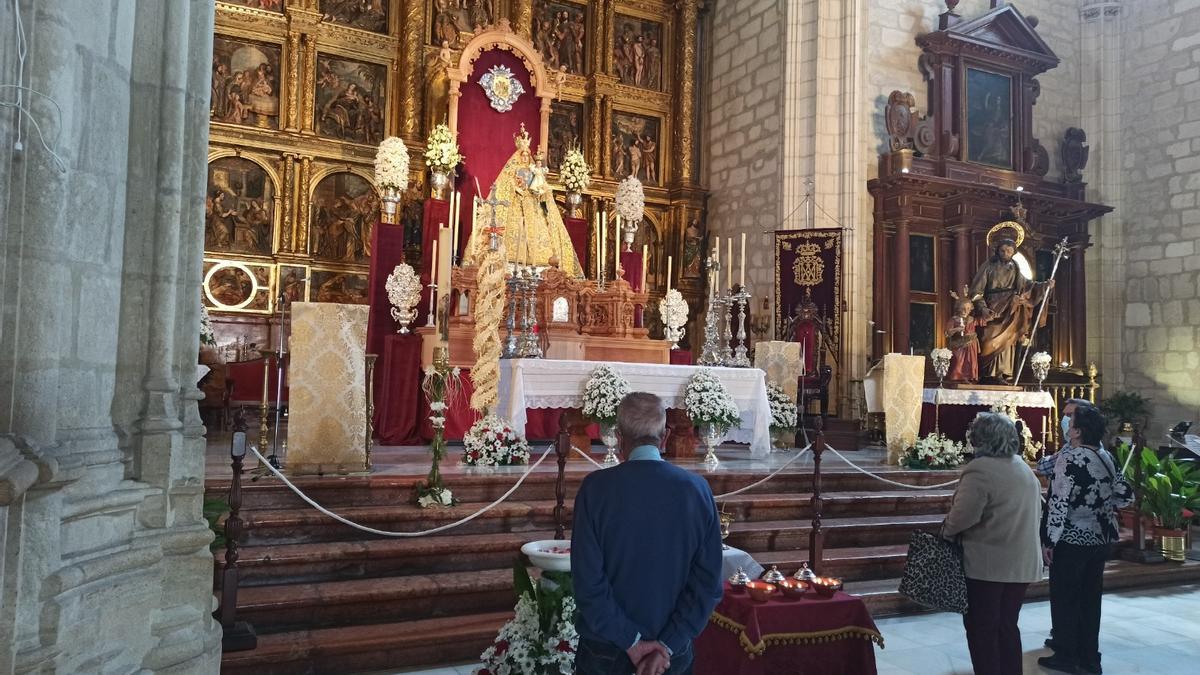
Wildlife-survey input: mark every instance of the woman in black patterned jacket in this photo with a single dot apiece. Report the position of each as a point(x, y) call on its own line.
point(1081, 527)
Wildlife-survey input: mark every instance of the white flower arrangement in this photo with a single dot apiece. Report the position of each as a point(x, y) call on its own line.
point(1008, 407)
point(674, 309)
point(207, 336)
point(523, 648)
point(602, 393)
point(436, 497)
point(493, 442)
point(941, 354)
point(631, 199)
point(1040, 359)
point(709, 403)
point(576, 175)
point(783, 409)
point(934, 451)
point(441, 150)
point(391, 165)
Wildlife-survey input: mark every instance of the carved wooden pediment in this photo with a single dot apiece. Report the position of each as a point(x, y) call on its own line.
point(1002, 35)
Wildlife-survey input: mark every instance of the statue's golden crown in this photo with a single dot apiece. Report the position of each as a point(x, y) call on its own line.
point(521, 139)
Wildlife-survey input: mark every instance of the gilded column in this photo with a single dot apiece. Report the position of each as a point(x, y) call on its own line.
point(304, 187)
point(310, 81)
point(685, 121)
point(293, 81)
point(606, 34)
point(599, 32)
point(599, 161)
point(288, 227)
point(412, 69)
point(605, 116)
point(901, 287)
point(522, 17)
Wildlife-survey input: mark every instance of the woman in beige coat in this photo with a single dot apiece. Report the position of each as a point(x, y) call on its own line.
point(996, 512)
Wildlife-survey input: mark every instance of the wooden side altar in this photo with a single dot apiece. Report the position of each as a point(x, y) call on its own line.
point(576, 321)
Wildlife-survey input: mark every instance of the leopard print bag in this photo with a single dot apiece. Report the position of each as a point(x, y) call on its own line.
point(933, 574)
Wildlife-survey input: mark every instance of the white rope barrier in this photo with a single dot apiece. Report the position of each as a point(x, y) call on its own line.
point(386, 533)
point(886, 480)
point(588, 457)
point(769, 476)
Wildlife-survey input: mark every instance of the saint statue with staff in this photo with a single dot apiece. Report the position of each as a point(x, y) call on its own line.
point(1007, 296)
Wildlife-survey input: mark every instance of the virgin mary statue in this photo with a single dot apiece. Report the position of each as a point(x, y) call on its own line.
point(534, 233)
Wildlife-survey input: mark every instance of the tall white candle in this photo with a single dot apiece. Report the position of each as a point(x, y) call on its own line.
point(433, 264)
point(668, 273)
point(454, 216)
point(729, 264)
point(603, 238)
point(742, 263)
point(645, 264)
point(716, 255)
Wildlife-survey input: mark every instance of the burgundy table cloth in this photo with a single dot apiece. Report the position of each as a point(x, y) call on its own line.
point(398, 398)
point(810, 636)
point(953, 420)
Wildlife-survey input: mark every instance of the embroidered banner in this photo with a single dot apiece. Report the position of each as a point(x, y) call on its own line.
point(809, 260)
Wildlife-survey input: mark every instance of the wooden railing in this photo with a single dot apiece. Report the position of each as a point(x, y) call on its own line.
point(1065, 384)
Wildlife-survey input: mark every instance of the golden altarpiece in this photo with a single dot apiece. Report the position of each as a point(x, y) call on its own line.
point(304, 90)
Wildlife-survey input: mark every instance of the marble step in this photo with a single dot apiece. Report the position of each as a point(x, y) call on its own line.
point(367, 648)
point(335, 492)
point(305, 524)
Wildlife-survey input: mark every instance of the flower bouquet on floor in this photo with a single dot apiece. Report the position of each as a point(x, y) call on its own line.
point(540, 639)
point(934, 451)
point(710, 406)
point(602, 393)
point(493, 442)
point(783, 416)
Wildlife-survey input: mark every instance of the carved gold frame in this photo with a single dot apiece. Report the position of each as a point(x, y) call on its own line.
point(501, 36)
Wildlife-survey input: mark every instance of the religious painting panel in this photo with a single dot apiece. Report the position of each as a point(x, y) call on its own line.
point(635, 147)
point(920, 260)
point(245, 83)
point(269, 5)
point(921, 327)
point(451, 18)
point(558, 34)
point(638, 51)
point(345, 207)
point(293, 282)
point(989, 118)
point(566, 131)
point(369, 15)
point(342, 287)
point(350, 98)
point(237, 286)
point(239, 207)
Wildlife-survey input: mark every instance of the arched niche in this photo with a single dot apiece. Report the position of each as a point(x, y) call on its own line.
point(242, 204)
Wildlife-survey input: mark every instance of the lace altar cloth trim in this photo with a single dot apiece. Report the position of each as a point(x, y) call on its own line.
point(987, 397)
point(554, 383)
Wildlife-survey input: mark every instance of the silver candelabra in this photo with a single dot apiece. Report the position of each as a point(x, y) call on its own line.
point(429, 321)
point(530, 347)
point(513, 283)
point(741, 356)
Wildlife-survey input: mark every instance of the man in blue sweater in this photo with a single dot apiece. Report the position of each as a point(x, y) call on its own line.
point(645, 554)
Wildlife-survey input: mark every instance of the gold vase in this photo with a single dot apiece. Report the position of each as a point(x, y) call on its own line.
point(1174, 544)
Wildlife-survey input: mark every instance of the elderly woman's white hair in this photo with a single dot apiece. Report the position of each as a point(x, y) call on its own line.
point(993, 435)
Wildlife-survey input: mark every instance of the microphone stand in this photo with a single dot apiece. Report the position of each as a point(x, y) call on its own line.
point(273, 458)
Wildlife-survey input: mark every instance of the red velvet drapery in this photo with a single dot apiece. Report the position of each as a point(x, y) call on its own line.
point(485, 136)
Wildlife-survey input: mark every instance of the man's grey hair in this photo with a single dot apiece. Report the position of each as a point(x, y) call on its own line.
point(642, 418)
point(994, 435)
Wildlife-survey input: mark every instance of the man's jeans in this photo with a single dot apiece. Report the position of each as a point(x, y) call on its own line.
point(602, 658)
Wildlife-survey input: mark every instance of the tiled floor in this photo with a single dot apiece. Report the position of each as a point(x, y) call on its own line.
point(1150, 631)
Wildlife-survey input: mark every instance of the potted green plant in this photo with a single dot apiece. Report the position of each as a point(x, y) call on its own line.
point(1136, 471)
point(1172, 495)
point(1126, 410)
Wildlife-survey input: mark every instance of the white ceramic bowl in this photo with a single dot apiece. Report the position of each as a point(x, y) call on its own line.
point(542, 557)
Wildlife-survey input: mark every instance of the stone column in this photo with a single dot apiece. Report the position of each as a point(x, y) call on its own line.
point(901, 283)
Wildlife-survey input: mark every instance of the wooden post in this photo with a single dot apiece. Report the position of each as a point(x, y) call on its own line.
point(562, 448)
point(816, 538)
point(237, 635)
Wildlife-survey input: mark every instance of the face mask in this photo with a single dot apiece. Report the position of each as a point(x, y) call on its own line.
point(1066, 426)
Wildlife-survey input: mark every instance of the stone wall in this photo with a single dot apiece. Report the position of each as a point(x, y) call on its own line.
point(105, 564)
point(1161, 219)
point(744, 125)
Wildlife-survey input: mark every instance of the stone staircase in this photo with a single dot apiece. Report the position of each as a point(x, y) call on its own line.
point(325, 598)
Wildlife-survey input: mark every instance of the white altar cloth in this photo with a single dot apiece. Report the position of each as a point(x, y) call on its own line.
point(988, 397)
point(555, 383)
